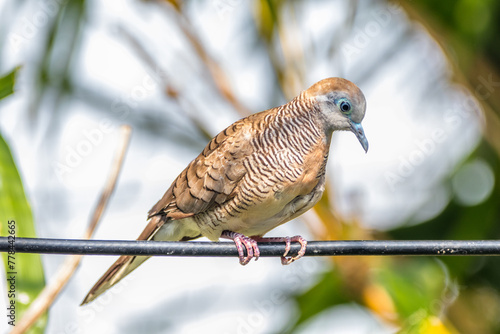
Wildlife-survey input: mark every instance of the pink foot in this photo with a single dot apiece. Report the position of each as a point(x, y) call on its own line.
point(241, 240)
point(288, 241)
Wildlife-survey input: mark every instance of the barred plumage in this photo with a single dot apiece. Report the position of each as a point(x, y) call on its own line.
point(258, 173)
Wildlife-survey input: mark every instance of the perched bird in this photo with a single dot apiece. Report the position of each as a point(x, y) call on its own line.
point(260, 172)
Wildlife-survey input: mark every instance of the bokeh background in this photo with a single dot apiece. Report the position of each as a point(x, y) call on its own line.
point(180, 72)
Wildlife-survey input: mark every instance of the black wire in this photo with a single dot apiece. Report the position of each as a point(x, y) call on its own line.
point(314, 248)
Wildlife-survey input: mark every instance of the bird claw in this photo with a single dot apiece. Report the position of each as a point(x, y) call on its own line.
point(241, 241)
point(250, 244)
point(303, 244)
point(288, 241)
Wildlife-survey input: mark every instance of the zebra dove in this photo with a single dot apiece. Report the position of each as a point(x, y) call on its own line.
point(260, 172)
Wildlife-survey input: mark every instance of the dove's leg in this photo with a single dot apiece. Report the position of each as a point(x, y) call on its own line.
point(252, 248)
point(241, 241)
point(287, 241)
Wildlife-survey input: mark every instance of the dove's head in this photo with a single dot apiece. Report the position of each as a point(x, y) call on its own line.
point(342, 106)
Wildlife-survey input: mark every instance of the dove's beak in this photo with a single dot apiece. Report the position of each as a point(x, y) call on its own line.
point(357, 129)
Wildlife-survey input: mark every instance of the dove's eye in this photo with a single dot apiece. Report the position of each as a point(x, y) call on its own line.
point(344, 106)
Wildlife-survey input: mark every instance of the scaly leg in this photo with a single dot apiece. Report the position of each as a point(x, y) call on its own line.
point(241, 240)
point(288, 241)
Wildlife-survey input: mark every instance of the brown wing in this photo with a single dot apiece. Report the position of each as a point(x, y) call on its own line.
point(211, 178)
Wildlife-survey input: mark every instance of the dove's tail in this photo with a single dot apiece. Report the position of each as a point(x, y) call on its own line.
point(126, 263)
point(121, 268)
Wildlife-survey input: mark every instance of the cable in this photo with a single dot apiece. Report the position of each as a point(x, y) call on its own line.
point(314, 248)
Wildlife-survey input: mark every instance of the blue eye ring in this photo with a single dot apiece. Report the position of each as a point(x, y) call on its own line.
point(344, 106)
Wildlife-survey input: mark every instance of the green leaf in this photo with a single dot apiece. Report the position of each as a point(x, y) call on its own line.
point(24, 272)
point(7, 83)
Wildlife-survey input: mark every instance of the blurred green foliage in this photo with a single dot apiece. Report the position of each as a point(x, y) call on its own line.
point(7, 83)
point(14, 206)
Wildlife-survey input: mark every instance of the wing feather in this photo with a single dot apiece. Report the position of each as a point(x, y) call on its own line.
point(211, 178)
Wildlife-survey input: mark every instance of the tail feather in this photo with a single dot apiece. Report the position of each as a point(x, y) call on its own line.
point(125, 263)
point(175, 230)
point(121, 268)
